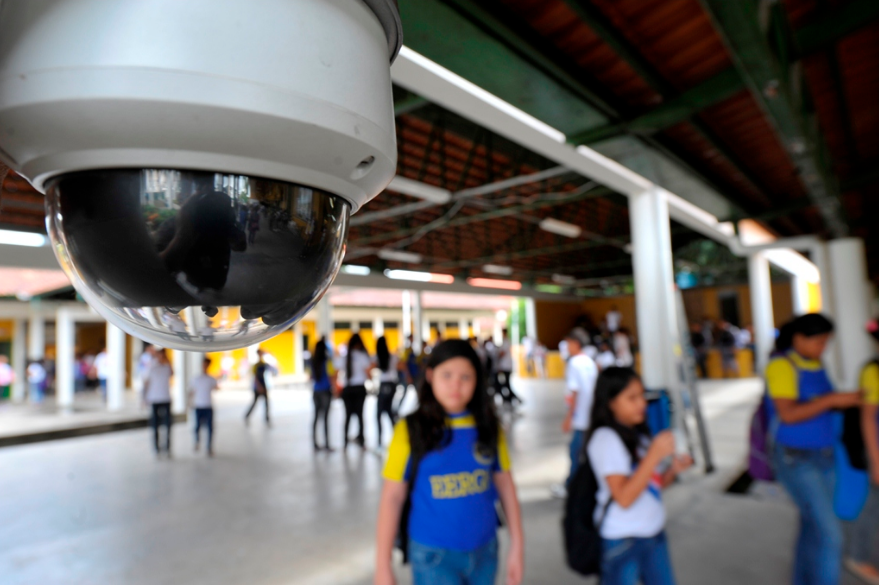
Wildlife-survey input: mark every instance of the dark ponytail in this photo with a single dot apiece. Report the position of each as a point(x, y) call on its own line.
point(808, 325)
point(610, 384)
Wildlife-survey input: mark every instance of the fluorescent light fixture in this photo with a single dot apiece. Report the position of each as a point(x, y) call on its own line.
point(494, 283)
point(420, 190)
point(549, 288)
point(416, 276)
point(355, 269)
point(501, 315)
point(563, 279)
point(13, 238)
point(561, 228)
point(399, 256)
point(497, 269)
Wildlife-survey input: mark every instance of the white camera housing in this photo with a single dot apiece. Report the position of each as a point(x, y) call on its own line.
point(291, 91)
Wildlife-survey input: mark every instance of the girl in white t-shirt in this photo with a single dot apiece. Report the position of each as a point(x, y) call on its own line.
point(631, 470)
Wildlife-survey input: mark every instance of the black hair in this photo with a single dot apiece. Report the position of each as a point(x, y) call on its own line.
point(319, 360)
point(808, 325)
point(384, 356)
point(611, 382)
point(430, 430)
point(354, 344)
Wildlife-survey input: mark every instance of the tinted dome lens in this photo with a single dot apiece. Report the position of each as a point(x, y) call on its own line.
point(195, 260)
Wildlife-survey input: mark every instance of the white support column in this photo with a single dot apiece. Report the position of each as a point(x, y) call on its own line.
point(852, 309)
point(194, 360)
point(761, 308)
point(325, 318)
point(799, 288)
point(65, 341)
point(116, 366)
point(654, 287)
point(417, 322)
point(378, 326)
point(531, 319)
point(19, 360)
point(463, 329)
point(36, 336)
point(178, 386)
point(515, 334)
point(406, 325)
point(298, 350)
point(136, 351)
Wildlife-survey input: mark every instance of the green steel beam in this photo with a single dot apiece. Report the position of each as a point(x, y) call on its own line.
point(485, 216)
point(678, 109)
point(825, 32)
point(737, 22)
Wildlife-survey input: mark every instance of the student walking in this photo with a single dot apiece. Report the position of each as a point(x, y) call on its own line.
point(581, 372)
point(36, 381)
point(863, 534)
point(631, 471)
point(201, 390)
point(157, 393)
point(802, 402)
point(260, 387)
point(357, 367)
point(447, 466)
point(324, 383)
point(504, 371)
point(388, 364)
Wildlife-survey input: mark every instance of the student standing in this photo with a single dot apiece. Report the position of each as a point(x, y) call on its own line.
point(504, 371)
point(157, 393)
point(631, 474)
point(863, 534)
point(260, 387)
point(454, 453)
point(36, 379)
point(801, 407)
point(581, 372)
point(388, 364)
point(324, 383)
point(357, 367)
point(201, 389)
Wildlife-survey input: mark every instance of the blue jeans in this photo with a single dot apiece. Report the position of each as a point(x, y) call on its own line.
point(808, 476)
point(630, 561)
point(205, 416)
point(863, 530)
point(437, 566)
point(576, 446)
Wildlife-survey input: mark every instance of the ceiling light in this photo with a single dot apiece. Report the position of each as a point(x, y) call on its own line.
point(494, 283)
point(355, 269)
point(497, 269)
point(13, 238)
point(399, 256)
point(420, 190)
point(561, 228)
point(416, 276)
point(563, 279)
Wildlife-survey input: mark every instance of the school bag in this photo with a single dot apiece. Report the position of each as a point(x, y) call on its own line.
point(761, 436)
point(582, 537)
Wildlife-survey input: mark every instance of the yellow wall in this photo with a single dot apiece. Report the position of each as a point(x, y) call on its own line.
point(7, 328)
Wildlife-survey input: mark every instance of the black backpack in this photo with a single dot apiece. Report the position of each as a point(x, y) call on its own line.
point(852, 437)
point(581, 535)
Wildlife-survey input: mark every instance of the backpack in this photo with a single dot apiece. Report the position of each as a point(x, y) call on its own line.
point(582, 538)
point(852, 436)
point(761, 436)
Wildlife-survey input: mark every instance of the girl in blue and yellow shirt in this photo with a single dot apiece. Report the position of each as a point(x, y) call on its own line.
point(803, 400)
point(462, 469)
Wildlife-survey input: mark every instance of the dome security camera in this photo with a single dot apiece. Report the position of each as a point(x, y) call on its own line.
point(200, 159)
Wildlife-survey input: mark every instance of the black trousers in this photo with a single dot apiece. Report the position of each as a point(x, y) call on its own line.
point(256, 397)
point(322, 402)
point(386, 393)
point(354, 397)
point(161, 416)
point(204, 417)
point(502, 386)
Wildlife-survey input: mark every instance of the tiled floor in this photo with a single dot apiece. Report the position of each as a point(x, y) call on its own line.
point(267, 510)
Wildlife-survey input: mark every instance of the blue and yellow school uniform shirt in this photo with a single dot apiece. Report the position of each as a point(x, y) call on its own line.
point(453, 499)
point(794, 377)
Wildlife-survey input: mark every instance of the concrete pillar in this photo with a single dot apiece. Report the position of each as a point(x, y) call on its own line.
point(19, 360)
point(406, 325)
point(761, 308)
point(515, 334)
point(531, 319)
point(116, 367)
point(325, 318)
point(799, 287)
point(178, 384)
point(36, 334)
point(65, 341)
point(418, 321)
point(378, 326)
point(298, 350)
point(136, 351)
point(463, 329)
point(654, 287)
point(847, 260)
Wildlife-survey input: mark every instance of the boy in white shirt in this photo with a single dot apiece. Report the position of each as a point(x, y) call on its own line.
point(200, 390)
point(581, 372)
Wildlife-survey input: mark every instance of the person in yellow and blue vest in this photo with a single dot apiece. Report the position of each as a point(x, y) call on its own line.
point(448, 465)
point(863, 534)
point(802, 403)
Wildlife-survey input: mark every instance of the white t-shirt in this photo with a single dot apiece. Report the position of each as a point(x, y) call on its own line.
point(102, 365)
point(580, 375)
point(505, 357)
point(606, 359)
point(391, 375)
point(614, 318)
point(623, 350)
point(646, 516)
point(158, 383)
point(36, 373)
point(360, 366)
point(201, 387)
